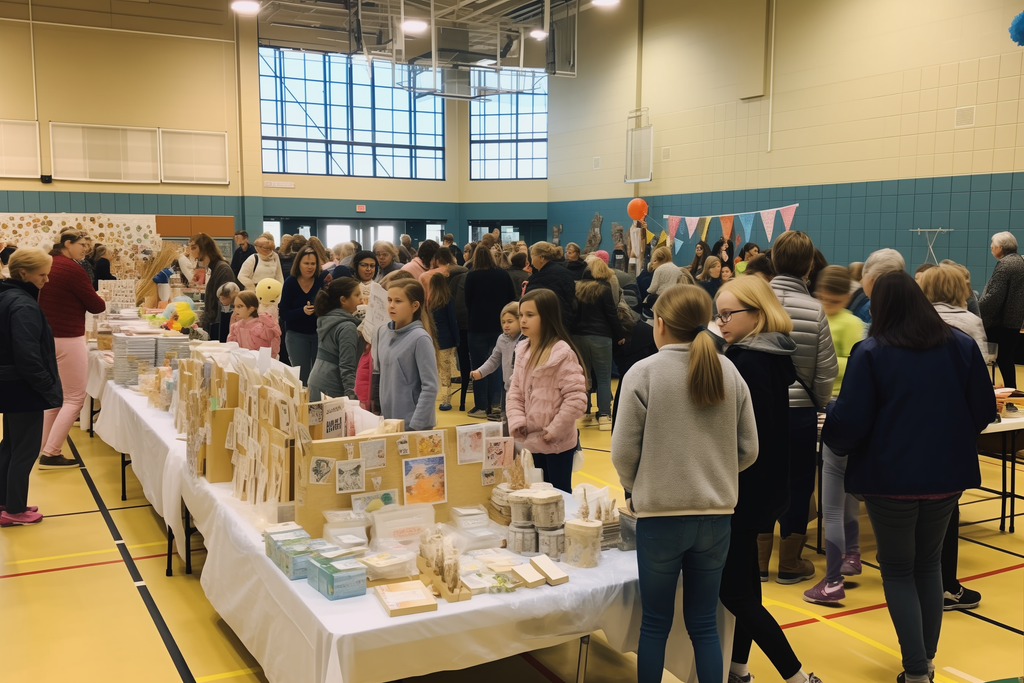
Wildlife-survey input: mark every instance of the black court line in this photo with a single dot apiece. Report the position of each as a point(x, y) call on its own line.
point(1000, 624)
point(93, 512)
point(993, 519)
point(993, 547)
point(154, 612)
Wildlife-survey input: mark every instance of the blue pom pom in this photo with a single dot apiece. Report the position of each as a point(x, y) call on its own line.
point(1017, 29)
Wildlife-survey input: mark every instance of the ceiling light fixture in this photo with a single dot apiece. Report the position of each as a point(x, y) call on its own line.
point(604, 3)
point(538, 34)
point(415, 26)
point(249, 8)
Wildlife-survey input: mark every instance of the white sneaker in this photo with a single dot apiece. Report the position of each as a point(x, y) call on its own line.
point(604, 423)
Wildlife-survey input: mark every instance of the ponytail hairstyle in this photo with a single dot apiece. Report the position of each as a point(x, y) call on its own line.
point(413, 290)
point(72, 236)
point(686, 312)
point(250, 300)
point(440, 292)
point(329, 299)
point(549, 310)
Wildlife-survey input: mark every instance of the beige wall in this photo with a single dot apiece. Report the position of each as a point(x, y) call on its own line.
point(864, 90)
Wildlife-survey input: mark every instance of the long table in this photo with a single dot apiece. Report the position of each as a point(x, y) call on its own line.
point(297, 635)
point(1008, 429)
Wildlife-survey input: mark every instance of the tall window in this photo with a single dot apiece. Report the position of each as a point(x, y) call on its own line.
point(329, 115)
point(508, 134)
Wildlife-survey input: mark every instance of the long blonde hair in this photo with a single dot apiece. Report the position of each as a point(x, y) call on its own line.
point(686, 312)
point(599, 270)
point(705, 273)
point(753, 292)
point(661, 256)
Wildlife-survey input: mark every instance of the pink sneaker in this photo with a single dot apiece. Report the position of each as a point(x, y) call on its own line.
point(825, 593)
point(30, 508)
point(21, 519)
point(851, 565)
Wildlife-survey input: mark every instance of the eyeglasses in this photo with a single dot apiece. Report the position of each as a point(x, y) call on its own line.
point(725, 316)
point(382, 254)
point(367, 264)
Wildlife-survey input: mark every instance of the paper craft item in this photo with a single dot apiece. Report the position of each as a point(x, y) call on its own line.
point(424, 480)
point(528, 575)
point(350, 449)
point(470, 444)
point(403, 445)
point(408, 597)
point(351, 476)
point(374, 453)
point(229, 439)
point(376, 311)
point(546, 566)
point(316, 414)
point(361, 500)
point(499, 452)
point(429, 443)
point(320, 469)
point(334, 419)
point(487, 478)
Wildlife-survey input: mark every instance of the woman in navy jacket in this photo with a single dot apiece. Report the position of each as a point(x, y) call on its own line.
point(915, 396)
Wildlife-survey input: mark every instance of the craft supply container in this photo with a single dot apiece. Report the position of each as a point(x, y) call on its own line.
point(521, 503)
point(522, 539)
point(548, 509)
point(583, 542)
point(551, 542)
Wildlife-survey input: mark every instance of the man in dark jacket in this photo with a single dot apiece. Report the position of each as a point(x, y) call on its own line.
point(29, 381)
point(547, 274)
point(449, 243)
point(1002, 304)
point(243, 251)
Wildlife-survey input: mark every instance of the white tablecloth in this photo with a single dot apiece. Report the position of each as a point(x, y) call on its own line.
point(100, 363)
point(129, 425)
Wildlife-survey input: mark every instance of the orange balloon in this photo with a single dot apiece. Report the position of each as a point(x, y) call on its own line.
point(637, 209)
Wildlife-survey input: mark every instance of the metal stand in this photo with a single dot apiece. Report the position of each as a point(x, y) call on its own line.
point(125, 462)
point(186, 518)
point(581, 666)
point(92, 416)
point(1007, 458)
point(932, 234)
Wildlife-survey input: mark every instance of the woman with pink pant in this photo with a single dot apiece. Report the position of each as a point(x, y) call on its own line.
point(65, 299)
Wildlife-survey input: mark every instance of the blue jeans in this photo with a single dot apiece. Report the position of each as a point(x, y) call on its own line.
point(696, 545)
point(486, 391)
point(302, 349)
point(840, 511)
point(597, 357)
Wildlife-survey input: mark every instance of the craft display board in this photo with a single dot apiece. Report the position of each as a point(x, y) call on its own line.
point(462, 482)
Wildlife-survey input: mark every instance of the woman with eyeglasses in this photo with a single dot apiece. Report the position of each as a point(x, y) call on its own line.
point(265, 263)
point(758, 330)
point(387, 259)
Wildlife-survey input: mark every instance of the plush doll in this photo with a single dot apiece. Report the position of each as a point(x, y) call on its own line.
point(268, 291)
point(179, 315)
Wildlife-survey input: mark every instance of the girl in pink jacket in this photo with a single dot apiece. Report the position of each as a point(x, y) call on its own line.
point(548, 391)
point(250, 329)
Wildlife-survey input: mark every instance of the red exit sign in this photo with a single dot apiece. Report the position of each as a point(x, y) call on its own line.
point(360, 208)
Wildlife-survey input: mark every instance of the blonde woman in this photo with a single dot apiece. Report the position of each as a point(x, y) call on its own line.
point(600, 271)
point(665, 273)
point(265, 263)
point(29, 380)
point(710, 278)
point(683, 477)
point(549, 274)
point(947, 290)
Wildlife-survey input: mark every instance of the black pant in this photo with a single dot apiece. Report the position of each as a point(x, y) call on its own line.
point(951, 553)
point(557, 468)
point(23, 437)
point(464, 367)
point(740, 592)
point(803, 457)
point(1007, 340)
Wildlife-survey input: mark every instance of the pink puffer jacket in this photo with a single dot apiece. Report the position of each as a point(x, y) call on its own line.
point(255, 333)
point(544, 403)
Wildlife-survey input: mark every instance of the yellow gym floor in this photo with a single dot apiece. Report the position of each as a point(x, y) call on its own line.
point(72, 611)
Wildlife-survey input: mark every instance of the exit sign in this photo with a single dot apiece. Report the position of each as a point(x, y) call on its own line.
point(360, 208)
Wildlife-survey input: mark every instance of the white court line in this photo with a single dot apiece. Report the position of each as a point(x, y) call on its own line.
point(961, 674)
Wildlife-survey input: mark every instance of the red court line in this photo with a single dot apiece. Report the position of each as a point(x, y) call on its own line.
point(83, 566)
point(543, 670)
point(835, 615)
point(993, 572)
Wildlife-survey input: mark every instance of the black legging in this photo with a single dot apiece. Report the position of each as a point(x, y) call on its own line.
point(464, 367)
point(951, 553)
point(1007, 340)
point(740, 592)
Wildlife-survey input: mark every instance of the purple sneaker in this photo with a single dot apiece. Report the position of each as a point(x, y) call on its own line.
point(825, 593)
point(851, 565)
point(21, 519)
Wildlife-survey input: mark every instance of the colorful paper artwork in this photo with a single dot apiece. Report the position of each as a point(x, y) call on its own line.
point(424, 480)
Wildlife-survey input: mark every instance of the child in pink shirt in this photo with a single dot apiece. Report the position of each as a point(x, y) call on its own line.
point(250, 329)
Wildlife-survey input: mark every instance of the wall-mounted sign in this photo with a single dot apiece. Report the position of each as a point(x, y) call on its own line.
point(360, 208)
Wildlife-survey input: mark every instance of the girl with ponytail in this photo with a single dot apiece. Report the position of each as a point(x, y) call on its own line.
point(683, 480)
point(339, 344)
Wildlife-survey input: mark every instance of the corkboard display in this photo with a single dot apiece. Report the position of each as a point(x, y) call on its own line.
point(462, 482)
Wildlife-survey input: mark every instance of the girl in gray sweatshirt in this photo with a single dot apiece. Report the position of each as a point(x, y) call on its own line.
point(405, 380)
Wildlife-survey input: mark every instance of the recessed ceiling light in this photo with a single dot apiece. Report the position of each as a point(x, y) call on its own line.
point(249, 8)
point(414, 26)
point(487, 62)
point(538, 34)
point(604, 3)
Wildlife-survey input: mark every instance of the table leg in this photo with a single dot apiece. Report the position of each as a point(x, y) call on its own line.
point(821, 508)
point(1013, 479)
point(170, 551)
point(189, 530)
point(125, 461)
point(1002, 501)
point(92, 405)
point(581, 667)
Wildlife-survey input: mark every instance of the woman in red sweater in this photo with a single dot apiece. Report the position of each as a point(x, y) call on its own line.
point(64, 300)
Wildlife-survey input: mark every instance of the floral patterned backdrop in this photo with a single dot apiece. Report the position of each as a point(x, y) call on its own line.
point(131, 240)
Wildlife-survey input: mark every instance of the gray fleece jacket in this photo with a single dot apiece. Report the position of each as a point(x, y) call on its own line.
point(677, 458)
point(502, 355)
point(815, 358)
point(406, 364)
point(339, 347)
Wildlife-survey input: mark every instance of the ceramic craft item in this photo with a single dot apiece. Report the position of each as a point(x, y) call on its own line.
point(551, 542)
point(583, 542)
point(548, 509)
point(521, 503)
point(522, 539)
point(500, 494)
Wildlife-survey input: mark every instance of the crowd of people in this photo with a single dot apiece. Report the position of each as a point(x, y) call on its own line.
point(768, 348)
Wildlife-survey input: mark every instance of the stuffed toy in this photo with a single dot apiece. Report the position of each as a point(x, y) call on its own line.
point(179, 315)
point(268, 291)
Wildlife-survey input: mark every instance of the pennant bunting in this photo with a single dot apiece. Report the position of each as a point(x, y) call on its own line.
point(747, 221)
point(702, 226)
point(691, 224)
point(679, 245)
point(673, 225)
point(768, 218)
point(726, 225)
point(787, 215)
point(662, 239)
point(649, 236)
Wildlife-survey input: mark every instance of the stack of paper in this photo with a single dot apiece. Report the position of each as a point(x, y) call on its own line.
point(129, 351)
point(177, 344)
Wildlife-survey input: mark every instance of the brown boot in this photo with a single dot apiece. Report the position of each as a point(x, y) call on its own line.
point(792, 567)
point(764, 553)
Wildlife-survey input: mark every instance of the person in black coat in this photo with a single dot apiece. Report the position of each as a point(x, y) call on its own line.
point(639, 345)
point(1002, 304)
point(758, 331)
point(548, 274)
point(915, 396)
point(243, 251)
point(487, 290)
point(596, 331)
point(574, 261)
point(29, 381)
